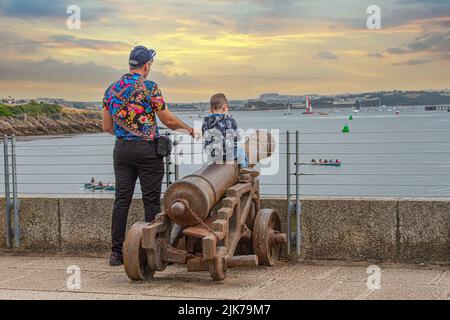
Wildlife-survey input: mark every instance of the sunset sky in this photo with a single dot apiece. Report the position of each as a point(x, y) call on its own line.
point(240, 47)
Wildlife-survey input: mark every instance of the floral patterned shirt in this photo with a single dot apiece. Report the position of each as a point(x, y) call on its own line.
point(132, 102)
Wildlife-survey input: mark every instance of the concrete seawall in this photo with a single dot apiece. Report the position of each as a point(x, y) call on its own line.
point(351, 229)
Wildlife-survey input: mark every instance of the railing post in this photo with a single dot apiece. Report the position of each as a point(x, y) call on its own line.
point(17, 233)
point(297, 191)
point(288, 191)
point(7, 192)
point(175, 157)
point(167, 166)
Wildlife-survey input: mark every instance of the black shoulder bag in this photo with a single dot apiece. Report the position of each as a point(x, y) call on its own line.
point(163, 146)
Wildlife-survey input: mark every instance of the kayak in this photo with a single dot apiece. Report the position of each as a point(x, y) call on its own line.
point(107, 187)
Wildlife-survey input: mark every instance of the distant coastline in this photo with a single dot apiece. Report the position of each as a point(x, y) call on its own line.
point(43, 119)
point(44, 126)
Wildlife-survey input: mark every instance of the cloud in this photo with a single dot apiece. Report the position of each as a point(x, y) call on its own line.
point(51, 9)
point(413, 62)
point(51, 70)
point(17, 43)
point(375, 55)
point(84, 43)
point(24, 46)
point(80, 75)
point(435, 44)
point(36, 8)
point(327, 55)
point(411, 11)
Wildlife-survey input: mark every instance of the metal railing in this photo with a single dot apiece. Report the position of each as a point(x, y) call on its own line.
point(12, 202)
point(373, 164)
point(423, 170)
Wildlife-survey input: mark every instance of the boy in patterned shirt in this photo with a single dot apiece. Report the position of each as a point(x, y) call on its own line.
point(220, 126)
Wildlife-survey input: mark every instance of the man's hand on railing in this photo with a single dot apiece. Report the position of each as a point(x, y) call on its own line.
point(196, 134)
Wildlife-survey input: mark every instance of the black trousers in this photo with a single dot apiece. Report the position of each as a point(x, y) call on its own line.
point(132, 160)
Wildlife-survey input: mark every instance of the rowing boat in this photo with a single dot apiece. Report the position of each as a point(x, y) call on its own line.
point(107, 187)
point(326, 164)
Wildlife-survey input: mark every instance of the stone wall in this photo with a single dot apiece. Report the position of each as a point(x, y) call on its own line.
point(350, 229)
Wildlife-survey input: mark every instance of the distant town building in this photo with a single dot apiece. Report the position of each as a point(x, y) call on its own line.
point(269, 97)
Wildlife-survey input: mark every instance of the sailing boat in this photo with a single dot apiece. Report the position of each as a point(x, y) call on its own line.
point(288, 112)
point(358, 106)
point(308, 107)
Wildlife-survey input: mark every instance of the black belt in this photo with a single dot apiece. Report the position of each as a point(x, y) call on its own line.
point(135, 141)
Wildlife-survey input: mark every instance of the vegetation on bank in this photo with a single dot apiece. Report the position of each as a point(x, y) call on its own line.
point(32, 108)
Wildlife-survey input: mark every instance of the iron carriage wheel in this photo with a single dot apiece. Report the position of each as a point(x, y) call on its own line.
point(267, 226)
point(134, 256)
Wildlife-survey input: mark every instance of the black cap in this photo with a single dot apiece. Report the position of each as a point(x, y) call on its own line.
point(140, 55)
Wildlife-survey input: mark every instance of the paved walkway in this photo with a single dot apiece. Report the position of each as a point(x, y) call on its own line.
point(24, 277)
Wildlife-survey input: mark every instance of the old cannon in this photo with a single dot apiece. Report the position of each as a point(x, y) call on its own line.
point(223, 226)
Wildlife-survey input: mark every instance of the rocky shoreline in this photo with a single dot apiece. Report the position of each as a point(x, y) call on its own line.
point(51, 125)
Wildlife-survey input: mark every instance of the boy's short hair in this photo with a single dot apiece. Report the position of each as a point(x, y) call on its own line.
point(217, 101)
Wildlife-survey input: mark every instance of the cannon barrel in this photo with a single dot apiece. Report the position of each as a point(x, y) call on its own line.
point(207, 186)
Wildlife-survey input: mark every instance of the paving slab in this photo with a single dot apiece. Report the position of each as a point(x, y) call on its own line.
point(60, 263)
point(7, 294)
point(410, 276)
point(8, 274)
point(354, 274)
point(119, 283)
point(239, 282)
point(46, 279)
point(301, 271)
point(292, 289)
point(444, 279)
point(346, 291)
point(409, 292)
point(17, 261)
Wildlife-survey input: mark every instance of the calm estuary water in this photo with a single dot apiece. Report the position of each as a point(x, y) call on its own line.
point(384, 155)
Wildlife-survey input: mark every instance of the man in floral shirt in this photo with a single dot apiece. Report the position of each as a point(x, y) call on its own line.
point(130, 107)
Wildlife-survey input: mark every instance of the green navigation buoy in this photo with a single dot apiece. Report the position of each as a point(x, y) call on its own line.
point(350, 118)
point(346, 129)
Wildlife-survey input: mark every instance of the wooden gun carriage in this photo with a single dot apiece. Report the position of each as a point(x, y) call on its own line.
point(222, 224)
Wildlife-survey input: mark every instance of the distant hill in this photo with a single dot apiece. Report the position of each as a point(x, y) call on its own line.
point(34, 119)
point(407, 98)
point(371, 99)
point(31, 108)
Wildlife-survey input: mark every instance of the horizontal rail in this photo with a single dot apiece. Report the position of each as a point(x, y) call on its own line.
point(363, 195)
point(383, 153)
point(379, 163)
point(373, 185)
point(374, 174)
point(280, 143)
point(313, 174)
